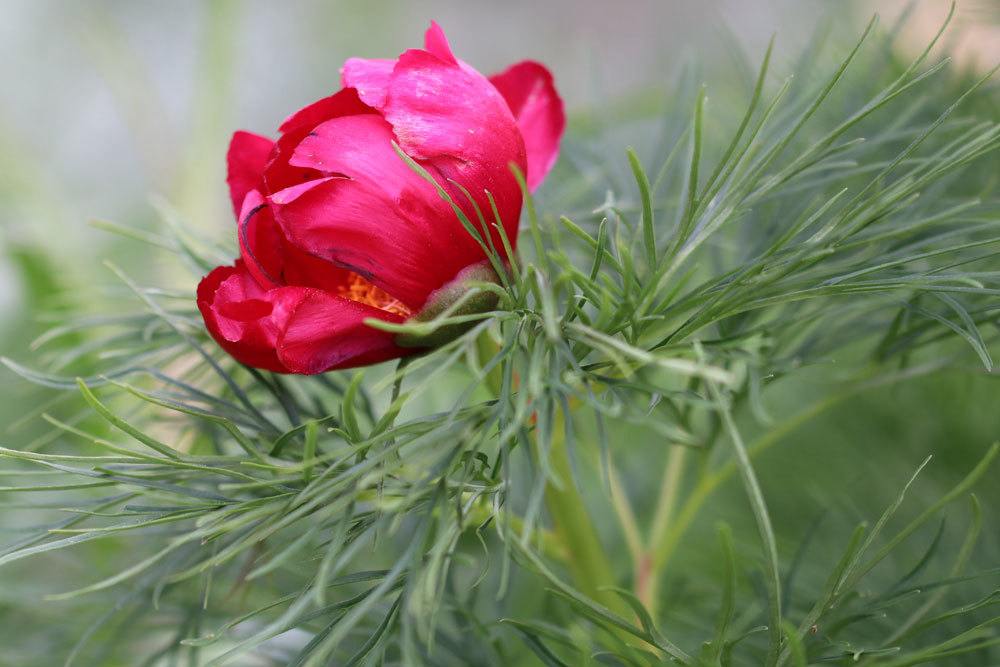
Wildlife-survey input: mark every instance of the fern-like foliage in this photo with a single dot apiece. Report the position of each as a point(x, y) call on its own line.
point(455, 509)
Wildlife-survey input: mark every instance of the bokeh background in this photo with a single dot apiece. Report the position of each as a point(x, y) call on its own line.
point(107, 104)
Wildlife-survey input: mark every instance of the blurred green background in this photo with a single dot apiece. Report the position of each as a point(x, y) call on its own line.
point(106, 103)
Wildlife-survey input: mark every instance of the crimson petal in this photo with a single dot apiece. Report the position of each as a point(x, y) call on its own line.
point(291, 329)
point(326, 332)
point(421, 242)
point(241, 316)
point(248, 154)
point(455, 122)
point(272, 260)
point(279, 174)
point(531, 95)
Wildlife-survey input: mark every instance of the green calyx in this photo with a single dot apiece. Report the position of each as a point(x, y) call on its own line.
point(445, 298)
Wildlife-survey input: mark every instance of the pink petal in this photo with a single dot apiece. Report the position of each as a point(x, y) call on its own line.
point(341, 103)
point(455, 121)
point(531, 94)
point(369, 77)
point(439, 108)
point(436, 42)
point(359, 147)
point(247, 156)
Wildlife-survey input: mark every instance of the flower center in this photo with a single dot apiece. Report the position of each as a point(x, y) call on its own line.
point(358, 289)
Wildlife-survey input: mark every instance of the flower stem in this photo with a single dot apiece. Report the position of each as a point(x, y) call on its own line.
point(587, 562)
point(573, 535)
point(647, 575)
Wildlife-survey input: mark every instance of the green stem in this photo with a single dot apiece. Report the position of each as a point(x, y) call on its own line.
point(711, 480)
point(573, 535)
point(486, 349)
point(647, 575)
point(663, 549)
point(587, 562)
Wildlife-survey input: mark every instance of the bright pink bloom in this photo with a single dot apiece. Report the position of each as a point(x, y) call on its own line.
point(335, 228)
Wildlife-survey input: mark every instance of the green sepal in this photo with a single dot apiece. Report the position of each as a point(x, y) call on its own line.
point(445, 297)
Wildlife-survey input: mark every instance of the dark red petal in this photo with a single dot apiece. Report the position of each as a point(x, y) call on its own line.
point(260, 241)
point(531, 95)
point(326, 332)
point(247, 156)
point(241, 316)
point(291, 329)
point(272, 260)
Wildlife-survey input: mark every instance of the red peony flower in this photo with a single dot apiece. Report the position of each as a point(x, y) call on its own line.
point(334, 226)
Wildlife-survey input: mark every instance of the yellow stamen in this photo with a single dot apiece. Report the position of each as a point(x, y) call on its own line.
point(358, 289)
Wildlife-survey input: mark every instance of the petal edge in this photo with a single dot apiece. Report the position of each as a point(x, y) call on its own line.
point(246, 158)
point(530, 92)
